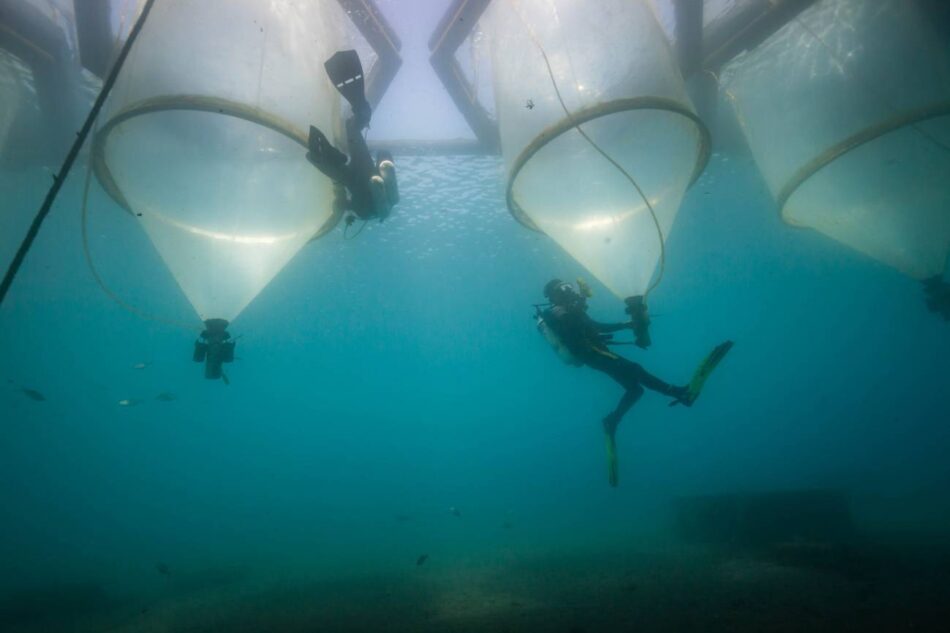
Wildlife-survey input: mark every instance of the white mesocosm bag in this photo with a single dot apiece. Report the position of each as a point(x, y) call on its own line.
point(620, 82)
point(847, 112)
point(205, 138)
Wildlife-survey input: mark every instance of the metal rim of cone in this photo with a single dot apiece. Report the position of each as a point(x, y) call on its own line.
point(855, 141)
point(195, 103)
point(593, 112)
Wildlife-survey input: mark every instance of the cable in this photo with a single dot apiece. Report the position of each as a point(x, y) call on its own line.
point(87, 254)
point(95, 274)
point(67, 165)
point(602, 152)
point(355, 235)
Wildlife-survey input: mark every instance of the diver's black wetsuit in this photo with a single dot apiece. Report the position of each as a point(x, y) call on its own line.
point(586, 339)
point(354, 175)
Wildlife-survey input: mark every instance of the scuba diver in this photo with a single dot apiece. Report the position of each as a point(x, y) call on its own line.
point(580, 340)
point(937, 290)
point(213, 348)
point(370, 184)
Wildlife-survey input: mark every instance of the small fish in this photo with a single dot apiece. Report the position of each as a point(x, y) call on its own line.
point(507, 525)
point(422, 559)
point(163, 569)
point(455, 511)
point(402, 518)
point(140, 365)
point(33, 394)
point(166, 396)
point(529, 104)
point(129, 402)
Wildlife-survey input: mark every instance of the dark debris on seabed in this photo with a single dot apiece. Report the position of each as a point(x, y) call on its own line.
point(937, 296)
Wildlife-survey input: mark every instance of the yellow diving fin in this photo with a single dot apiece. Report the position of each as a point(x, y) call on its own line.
point(613, 470)
point(703, 372)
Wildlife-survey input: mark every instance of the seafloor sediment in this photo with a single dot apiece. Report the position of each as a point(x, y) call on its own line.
point(801, 587)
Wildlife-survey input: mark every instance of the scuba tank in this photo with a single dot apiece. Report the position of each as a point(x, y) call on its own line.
point(387, 169)
point(381, 206)
point(543, 318)
point(384, 188)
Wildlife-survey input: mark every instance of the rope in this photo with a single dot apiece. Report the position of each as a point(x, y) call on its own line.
point(95, 273)
point(67, 165)
point(87, 254)
point(601, 151)
point(355, 235)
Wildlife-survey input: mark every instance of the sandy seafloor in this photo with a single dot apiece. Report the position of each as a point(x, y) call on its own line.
point(648, 586)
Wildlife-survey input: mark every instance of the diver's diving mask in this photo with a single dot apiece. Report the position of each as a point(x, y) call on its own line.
point(565, 294)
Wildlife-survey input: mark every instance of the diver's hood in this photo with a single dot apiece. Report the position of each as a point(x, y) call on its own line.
point(563, 293)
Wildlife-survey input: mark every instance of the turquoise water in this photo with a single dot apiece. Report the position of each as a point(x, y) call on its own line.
point(382, 382)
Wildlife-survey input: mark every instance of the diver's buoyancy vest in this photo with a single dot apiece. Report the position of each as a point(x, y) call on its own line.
point(545, 320)
point(385, 189)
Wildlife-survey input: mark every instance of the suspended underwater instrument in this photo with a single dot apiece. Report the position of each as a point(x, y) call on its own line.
point(204, 141)
point(601, 161)
point(639, 320)
point(214, 347)
point(856, 95)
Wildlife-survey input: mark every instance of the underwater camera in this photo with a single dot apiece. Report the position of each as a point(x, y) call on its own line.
point(214, 347)
point(639, 320)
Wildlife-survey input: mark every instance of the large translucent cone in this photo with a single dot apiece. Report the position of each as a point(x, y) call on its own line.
point(619, 247)
point(592, 210)
point(225, 215)
point(617, 79)
point(220, 272)
point(846, 109)
point(204, 138)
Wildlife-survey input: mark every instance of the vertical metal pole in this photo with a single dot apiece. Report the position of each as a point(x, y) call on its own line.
point(60, 177)
point(689, 34)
